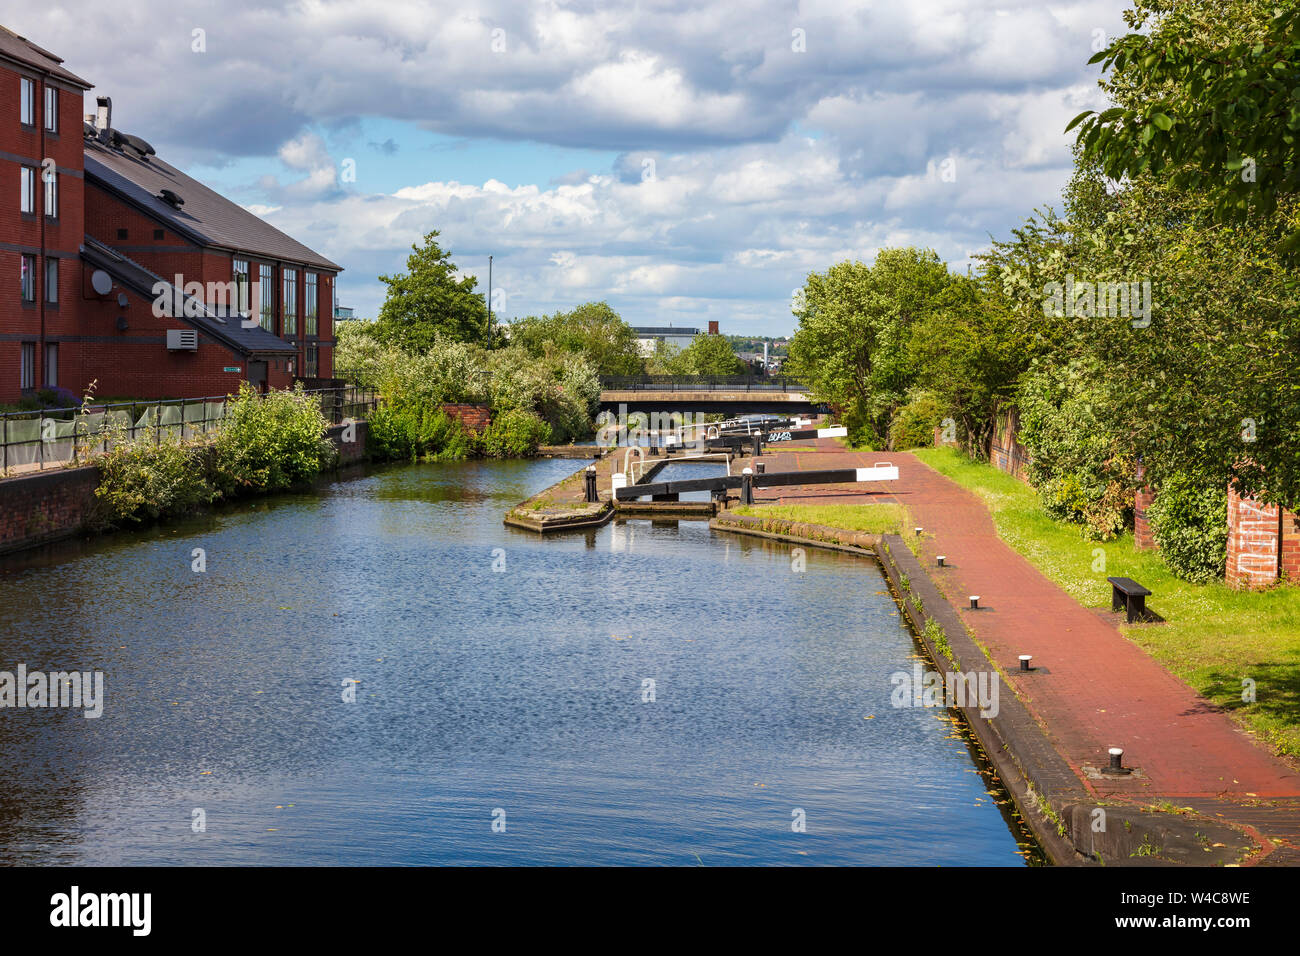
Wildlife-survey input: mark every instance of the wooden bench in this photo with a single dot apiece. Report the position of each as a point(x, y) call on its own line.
point(1130, 596)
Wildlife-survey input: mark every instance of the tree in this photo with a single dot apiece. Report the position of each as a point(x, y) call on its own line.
point(855, 325)
point(1210, 96)
point(708, 355)
point(969, 352)
point(665, 359)
point(429, 299)
point(593, 330)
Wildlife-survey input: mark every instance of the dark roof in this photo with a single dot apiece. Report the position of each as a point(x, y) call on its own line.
point(14, 47)
point(664, 330)
point(207, 217)
point(228, 330)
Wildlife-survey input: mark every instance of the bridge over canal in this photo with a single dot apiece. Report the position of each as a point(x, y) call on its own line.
point(730, 395)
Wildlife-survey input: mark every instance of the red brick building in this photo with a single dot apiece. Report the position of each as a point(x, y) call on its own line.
point(125, 271)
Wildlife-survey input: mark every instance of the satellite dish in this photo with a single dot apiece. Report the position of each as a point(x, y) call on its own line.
point(101, 282)
point(122, 300)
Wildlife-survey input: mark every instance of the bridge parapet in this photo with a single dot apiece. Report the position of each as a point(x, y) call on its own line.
point(701, 383)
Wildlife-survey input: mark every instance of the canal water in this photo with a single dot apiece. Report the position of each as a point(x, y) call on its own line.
point(637, 694)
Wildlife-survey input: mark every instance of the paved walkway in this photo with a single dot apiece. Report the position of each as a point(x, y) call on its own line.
point(1094, 688)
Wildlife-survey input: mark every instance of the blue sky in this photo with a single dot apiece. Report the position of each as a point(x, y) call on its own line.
point(682, 161)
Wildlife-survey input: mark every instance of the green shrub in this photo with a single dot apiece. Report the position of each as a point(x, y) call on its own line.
point(270, 442)
point(415, 432)
point(1078, 460)
point(1189, 522)
point(562, 387)
point(913, 424)
point(860, 426)
point(514, 434)
point(145, 479)
point(1102, 507)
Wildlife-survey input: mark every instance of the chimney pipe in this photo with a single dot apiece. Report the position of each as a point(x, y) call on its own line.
point(103, 115)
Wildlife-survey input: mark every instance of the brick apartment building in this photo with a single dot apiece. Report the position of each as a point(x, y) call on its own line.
point(95, 229)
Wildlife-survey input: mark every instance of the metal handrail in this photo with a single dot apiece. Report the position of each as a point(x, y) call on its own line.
point(337, 403)
point(696, 383)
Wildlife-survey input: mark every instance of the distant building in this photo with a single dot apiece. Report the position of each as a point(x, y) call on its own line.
point(648, 335)
point(343, 313)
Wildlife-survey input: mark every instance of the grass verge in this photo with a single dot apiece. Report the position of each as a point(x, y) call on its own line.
point(872, 519)
point(1214, 638)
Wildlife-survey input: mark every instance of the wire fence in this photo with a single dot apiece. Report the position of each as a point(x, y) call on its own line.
point(59, 437)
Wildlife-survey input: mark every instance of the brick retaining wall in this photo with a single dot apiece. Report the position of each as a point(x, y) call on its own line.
point(47, 505)
point(474, 417)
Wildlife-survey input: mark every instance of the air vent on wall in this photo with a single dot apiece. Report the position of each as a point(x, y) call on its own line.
point(182, 340)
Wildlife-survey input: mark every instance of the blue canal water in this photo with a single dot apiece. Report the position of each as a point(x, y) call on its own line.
point(517, 694)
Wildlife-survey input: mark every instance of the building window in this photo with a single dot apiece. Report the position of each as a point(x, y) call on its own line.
point(51, 365)
point(313, 360)
point(51, 281)
point(266, 287)
point(52, 195)
point(289, 302)
point(26, 101)
point(29, 278)
point(310, 306)
point(240, 269)
point(27, 184)
point(27, 365)
point(51, 109)
point(123, 233)
point(159, 234)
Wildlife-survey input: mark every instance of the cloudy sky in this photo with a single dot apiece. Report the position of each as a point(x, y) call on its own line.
point(684, 161)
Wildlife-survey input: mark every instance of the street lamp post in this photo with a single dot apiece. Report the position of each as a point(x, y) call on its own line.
point(489, 303)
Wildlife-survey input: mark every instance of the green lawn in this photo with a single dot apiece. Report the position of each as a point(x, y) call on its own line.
point(873, 519)
point(1212, 638)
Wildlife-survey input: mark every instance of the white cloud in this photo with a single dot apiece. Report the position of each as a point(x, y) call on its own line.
point(768, 162)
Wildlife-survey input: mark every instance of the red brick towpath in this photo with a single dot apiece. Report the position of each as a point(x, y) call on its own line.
point(1094, 689)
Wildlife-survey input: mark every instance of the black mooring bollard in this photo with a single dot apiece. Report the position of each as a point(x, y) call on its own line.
point(747, 487)
point(758, 445)
point(1025, 662)
point(761, 466)
point(1116, 766)
point(590, 484)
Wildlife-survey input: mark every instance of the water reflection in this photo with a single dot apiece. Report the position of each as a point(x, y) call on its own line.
point(520, 688)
